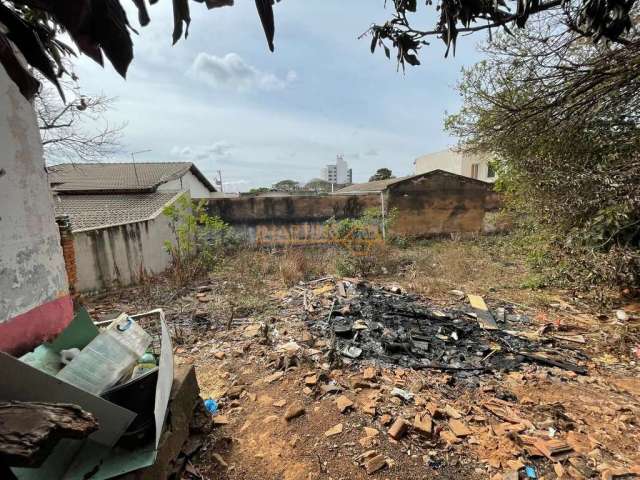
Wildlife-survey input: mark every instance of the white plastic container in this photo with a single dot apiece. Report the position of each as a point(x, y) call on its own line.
point(108, 357)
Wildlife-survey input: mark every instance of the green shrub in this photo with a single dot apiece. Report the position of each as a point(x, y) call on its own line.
point(200, 240)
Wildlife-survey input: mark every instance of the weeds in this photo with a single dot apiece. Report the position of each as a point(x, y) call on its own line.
point(200, 240)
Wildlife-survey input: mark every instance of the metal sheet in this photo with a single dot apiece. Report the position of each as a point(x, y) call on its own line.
point(165, 375)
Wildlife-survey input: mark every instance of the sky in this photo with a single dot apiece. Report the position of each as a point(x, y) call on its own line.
point(221, 100)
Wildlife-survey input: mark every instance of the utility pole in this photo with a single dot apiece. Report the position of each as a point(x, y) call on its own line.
point(133, 159)
point(220, 181)
point(384, 229)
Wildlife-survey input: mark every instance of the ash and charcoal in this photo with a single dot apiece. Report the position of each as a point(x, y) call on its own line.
point(400, 329)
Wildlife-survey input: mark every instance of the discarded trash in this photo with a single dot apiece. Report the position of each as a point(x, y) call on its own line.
point(352, 352)
point(403, 394)
point(108, 357)
point(67, 355)
point(530, 472)
point(622, 315)
point(211, 405)
point(485, 319)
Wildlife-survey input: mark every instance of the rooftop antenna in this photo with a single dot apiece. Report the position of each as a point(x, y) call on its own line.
point(133, 159)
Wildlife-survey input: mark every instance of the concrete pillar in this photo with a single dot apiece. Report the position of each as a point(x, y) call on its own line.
point(35, 304)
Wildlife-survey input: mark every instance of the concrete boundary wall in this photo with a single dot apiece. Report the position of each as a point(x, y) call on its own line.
point(288, 220)
point(428, 206)
point(121, 255)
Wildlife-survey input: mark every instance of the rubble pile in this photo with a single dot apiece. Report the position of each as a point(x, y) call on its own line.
point(385, 324)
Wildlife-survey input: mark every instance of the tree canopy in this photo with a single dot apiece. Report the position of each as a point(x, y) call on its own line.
point(100, 28)
point(318, 185)
point(286, 186)
point(561, 117)
point(381, 174)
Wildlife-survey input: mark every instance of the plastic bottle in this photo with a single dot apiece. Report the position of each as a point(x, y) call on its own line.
point(110, 355)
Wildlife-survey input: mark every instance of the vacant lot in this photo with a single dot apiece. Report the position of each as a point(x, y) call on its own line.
point(262, 332)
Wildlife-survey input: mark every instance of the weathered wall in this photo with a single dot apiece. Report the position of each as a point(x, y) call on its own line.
point(35, 304)
point(122, 254)
point(288, 220)
point(440, 204)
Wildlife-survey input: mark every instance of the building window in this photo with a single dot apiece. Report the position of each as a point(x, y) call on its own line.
point(474, 170)
point(491, 172)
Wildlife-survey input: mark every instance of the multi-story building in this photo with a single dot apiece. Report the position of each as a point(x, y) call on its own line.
point(338, 173)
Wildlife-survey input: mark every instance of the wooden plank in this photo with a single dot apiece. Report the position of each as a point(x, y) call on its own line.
point(485, 319)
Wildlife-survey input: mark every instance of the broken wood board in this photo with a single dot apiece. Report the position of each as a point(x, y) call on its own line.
point(30, 430)
point(485, 319)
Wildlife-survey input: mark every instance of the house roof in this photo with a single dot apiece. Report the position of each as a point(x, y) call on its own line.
point(382, 185)
point(119, 177)
point(88, 212)
point(377, 186)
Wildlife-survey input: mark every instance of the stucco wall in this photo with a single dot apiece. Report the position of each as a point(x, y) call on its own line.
point(122, 254)
point(441, 204)
point(454, 162)
point(34, 296)
point(187, 182)
point(446, 160)
point(288, 220)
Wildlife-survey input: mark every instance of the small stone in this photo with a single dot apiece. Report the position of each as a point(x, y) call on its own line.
point(279, 403)
point(334, 431)
point(311, 380)
point(369, 373)
point(220, 420)
point(369, 408)
point(219, 355)
point(423, 424)
point(235, 392)
point(344, 403)
point(399, 428)
point(307, 391)
point(452, 412)
point(294, 411)
point(367, 442)
point(370, 432)
point(272, 378)
point(449, 437)
point(374, 464)
point(385, 419)
point(459, 429)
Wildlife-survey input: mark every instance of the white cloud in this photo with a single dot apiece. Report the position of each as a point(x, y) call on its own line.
point(219, 149)
point(232, 72)
point(214, 151)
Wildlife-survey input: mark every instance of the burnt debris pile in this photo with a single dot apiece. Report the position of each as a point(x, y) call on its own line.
point(385, 324)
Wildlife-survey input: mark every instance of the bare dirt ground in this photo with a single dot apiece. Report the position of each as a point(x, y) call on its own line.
point(251, 332)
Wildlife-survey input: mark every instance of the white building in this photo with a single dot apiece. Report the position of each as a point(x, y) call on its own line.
point(338, 173)
point(470, 165)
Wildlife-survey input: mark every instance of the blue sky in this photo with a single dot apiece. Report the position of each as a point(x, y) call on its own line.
point(222, 100)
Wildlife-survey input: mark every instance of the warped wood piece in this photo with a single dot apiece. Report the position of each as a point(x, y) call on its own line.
point(30, 430)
